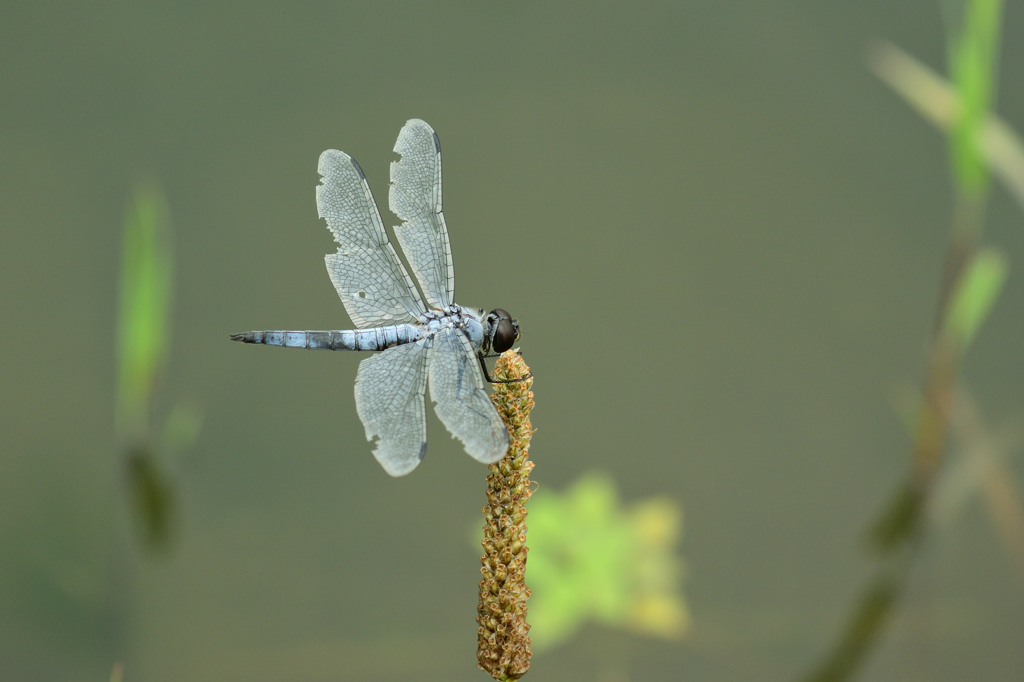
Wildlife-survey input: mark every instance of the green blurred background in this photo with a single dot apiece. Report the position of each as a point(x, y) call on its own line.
point(722, 237)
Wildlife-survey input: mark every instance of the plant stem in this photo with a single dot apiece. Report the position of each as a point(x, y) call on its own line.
point(899, 533)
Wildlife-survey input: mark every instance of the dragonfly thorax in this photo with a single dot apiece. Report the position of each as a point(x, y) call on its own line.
point(494, 332)
point(455, 316)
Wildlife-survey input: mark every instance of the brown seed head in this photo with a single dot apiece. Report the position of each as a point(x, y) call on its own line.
point(503, 638)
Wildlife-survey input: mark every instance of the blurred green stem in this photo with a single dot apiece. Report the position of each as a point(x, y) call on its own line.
point(869, 617)
point(945, 350)
point(973, 49)
point(899, 534)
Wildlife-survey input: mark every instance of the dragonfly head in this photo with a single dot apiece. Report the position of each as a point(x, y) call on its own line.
point(501, 330)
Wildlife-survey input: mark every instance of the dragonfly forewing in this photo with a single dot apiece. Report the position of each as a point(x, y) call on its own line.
point(415, 197)
point(370, 279)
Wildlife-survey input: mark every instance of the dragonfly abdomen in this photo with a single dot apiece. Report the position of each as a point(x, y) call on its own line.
point(375, 338)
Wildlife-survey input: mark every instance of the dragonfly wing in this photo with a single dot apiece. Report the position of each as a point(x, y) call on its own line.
point(370, 279)
point(389, 399)
point(415, 197)
point(461, 400)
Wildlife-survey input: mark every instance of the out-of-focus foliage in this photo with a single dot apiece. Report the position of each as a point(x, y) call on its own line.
point(153, 497)
point(979, 466)
point(975, 295)
point(144, 324)
point(147, 285)
point(181, 429)
point(973, 53)
point(934, 98)
point(897, 519)
point(979, 142)
point(591, 558)
point(971, 282)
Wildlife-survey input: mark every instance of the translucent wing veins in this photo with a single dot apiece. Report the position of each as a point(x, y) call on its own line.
point(389, 400)
point(371, 281)
point(460, 397)
point(415, 197)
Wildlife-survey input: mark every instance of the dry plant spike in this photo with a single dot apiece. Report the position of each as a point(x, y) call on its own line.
point(503, 639)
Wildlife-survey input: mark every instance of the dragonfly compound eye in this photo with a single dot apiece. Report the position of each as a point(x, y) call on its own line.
point(504, 336)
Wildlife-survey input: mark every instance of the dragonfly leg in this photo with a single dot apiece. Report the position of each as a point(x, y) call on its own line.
point(490, 380)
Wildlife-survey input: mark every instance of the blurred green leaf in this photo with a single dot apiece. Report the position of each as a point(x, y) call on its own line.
point(926, 91)
point(153, 498)
point(973, 55)
point(934, 98)
point(591, 559)
point(146, 288)
point(181, 429)
point(975, 295)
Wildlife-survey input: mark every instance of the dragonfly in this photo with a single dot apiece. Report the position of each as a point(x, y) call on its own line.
point(421, 339)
